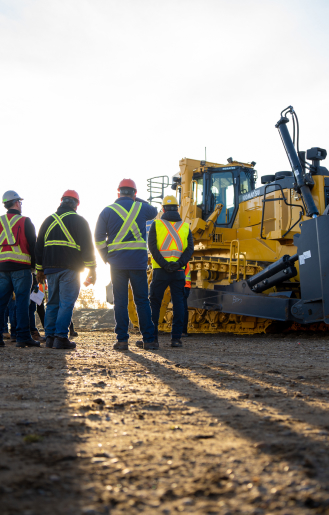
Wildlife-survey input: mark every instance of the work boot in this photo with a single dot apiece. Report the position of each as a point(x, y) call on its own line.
point(140, 344)
point(2, 343)
point(73, 333)
point(121, 345)
point(185, 335)
point(6, 336)
point(151, 345)
point(37, 336)
point(28, 343)
point(176, 343)
point(63, 343)
point(50, 341)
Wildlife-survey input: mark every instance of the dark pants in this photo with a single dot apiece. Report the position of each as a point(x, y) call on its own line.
point(5, 321)
point(41, 313)
point(186, 294)
point(63, 291)
point(18, 281)
point(138, 281)
point(32, 310)
point(176, 281)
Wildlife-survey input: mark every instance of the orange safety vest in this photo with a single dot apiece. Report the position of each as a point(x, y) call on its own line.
point(188, 276)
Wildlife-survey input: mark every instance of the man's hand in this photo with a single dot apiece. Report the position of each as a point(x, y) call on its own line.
point(92, 275)
point(172, 266)
point(41, 277)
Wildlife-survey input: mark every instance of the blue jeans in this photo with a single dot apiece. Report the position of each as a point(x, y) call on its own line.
point(63, 291)
point(5, 321)
point(18, 281)
point(160, 282)
point(138, 281)
point(12, 317)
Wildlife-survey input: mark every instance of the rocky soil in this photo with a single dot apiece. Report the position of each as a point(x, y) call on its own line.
point(93, 319)
point(226, 425)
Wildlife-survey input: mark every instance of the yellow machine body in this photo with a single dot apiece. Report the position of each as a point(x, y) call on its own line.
point(239, 229)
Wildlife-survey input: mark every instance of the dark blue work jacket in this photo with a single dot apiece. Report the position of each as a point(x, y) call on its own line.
point(108, 226)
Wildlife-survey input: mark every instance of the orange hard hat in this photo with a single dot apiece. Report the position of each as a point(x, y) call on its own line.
point(127, 183)
point(71, 193)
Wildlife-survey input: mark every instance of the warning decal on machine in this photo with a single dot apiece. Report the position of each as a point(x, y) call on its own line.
point(305, 255)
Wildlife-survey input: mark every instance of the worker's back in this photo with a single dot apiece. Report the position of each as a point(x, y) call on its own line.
point(108, 227)
point(64, 241)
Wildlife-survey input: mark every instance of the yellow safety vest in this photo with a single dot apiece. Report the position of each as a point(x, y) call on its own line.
point(172, 238)
point(129, 224)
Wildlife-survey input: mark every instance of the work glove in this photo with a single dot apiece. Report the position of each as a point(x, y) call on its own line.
point(173, 266)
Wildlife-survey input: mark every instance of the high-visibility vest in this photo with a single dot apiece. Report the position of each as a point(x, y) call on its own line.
point(58, 220)
point(172, 239)
point(68, 242)
point(14, 246)
point(129, 224)
point(188, 276)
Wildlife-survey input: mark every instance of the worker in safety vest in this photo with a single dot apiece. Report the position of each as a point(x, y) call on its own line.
point(187, 291)
point(121, 240)
point(171, 245)
point(64, 248)
point(17, 242)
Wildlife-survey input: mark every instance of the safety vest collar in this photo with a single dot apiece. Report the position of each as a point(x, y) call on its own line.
point(129, 224)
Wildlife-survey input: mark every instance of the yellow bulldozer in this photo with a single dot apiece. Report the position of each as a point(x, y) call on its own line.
point(261, 253)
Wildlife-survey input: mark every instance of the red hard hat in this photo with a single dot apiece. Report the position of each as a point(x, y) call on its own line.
point(71, 193)
point(127, 183)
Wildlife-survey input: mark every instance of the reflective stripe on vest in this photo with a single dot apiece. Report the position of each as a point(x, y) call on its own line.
point(188, 276)
point(7, 235)
point(129, 224)
point(173, 235)
point(65, 243)
point(172, 239)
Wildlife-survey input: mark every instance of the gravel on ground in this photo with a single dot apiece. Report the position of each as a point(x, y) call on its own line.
point(225, 425)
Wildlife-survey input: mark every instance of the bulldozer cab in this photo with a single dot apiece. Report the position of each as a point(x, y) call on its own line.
point(222, 186)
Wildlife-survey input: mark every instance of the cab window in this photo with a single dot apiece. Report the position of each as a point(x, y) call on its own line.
point(246, 183)
point(199, 194)
point(222, 192)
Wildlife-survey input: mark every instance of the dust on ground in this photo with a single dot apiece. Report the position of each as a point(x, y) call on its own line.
point(225, 425)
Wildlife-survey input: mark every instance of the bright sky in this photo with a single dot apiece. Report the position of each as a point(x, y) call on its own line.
point(92, 91)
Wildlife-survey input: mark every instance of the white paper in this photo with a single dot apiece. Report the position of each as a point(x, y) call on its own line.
point(307, 254)
point(301, 260)
point(37, 297)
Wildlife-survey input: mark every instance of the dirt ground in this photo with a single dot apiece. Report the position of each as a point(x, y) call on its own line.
point(226, 425)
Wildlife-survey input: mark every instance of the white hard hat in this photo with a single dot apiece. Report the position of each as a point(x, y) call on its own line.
point(10, 195)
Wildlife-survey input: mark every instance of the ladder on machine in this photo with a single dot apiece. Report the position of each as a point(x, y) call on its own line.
point(156, 187)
